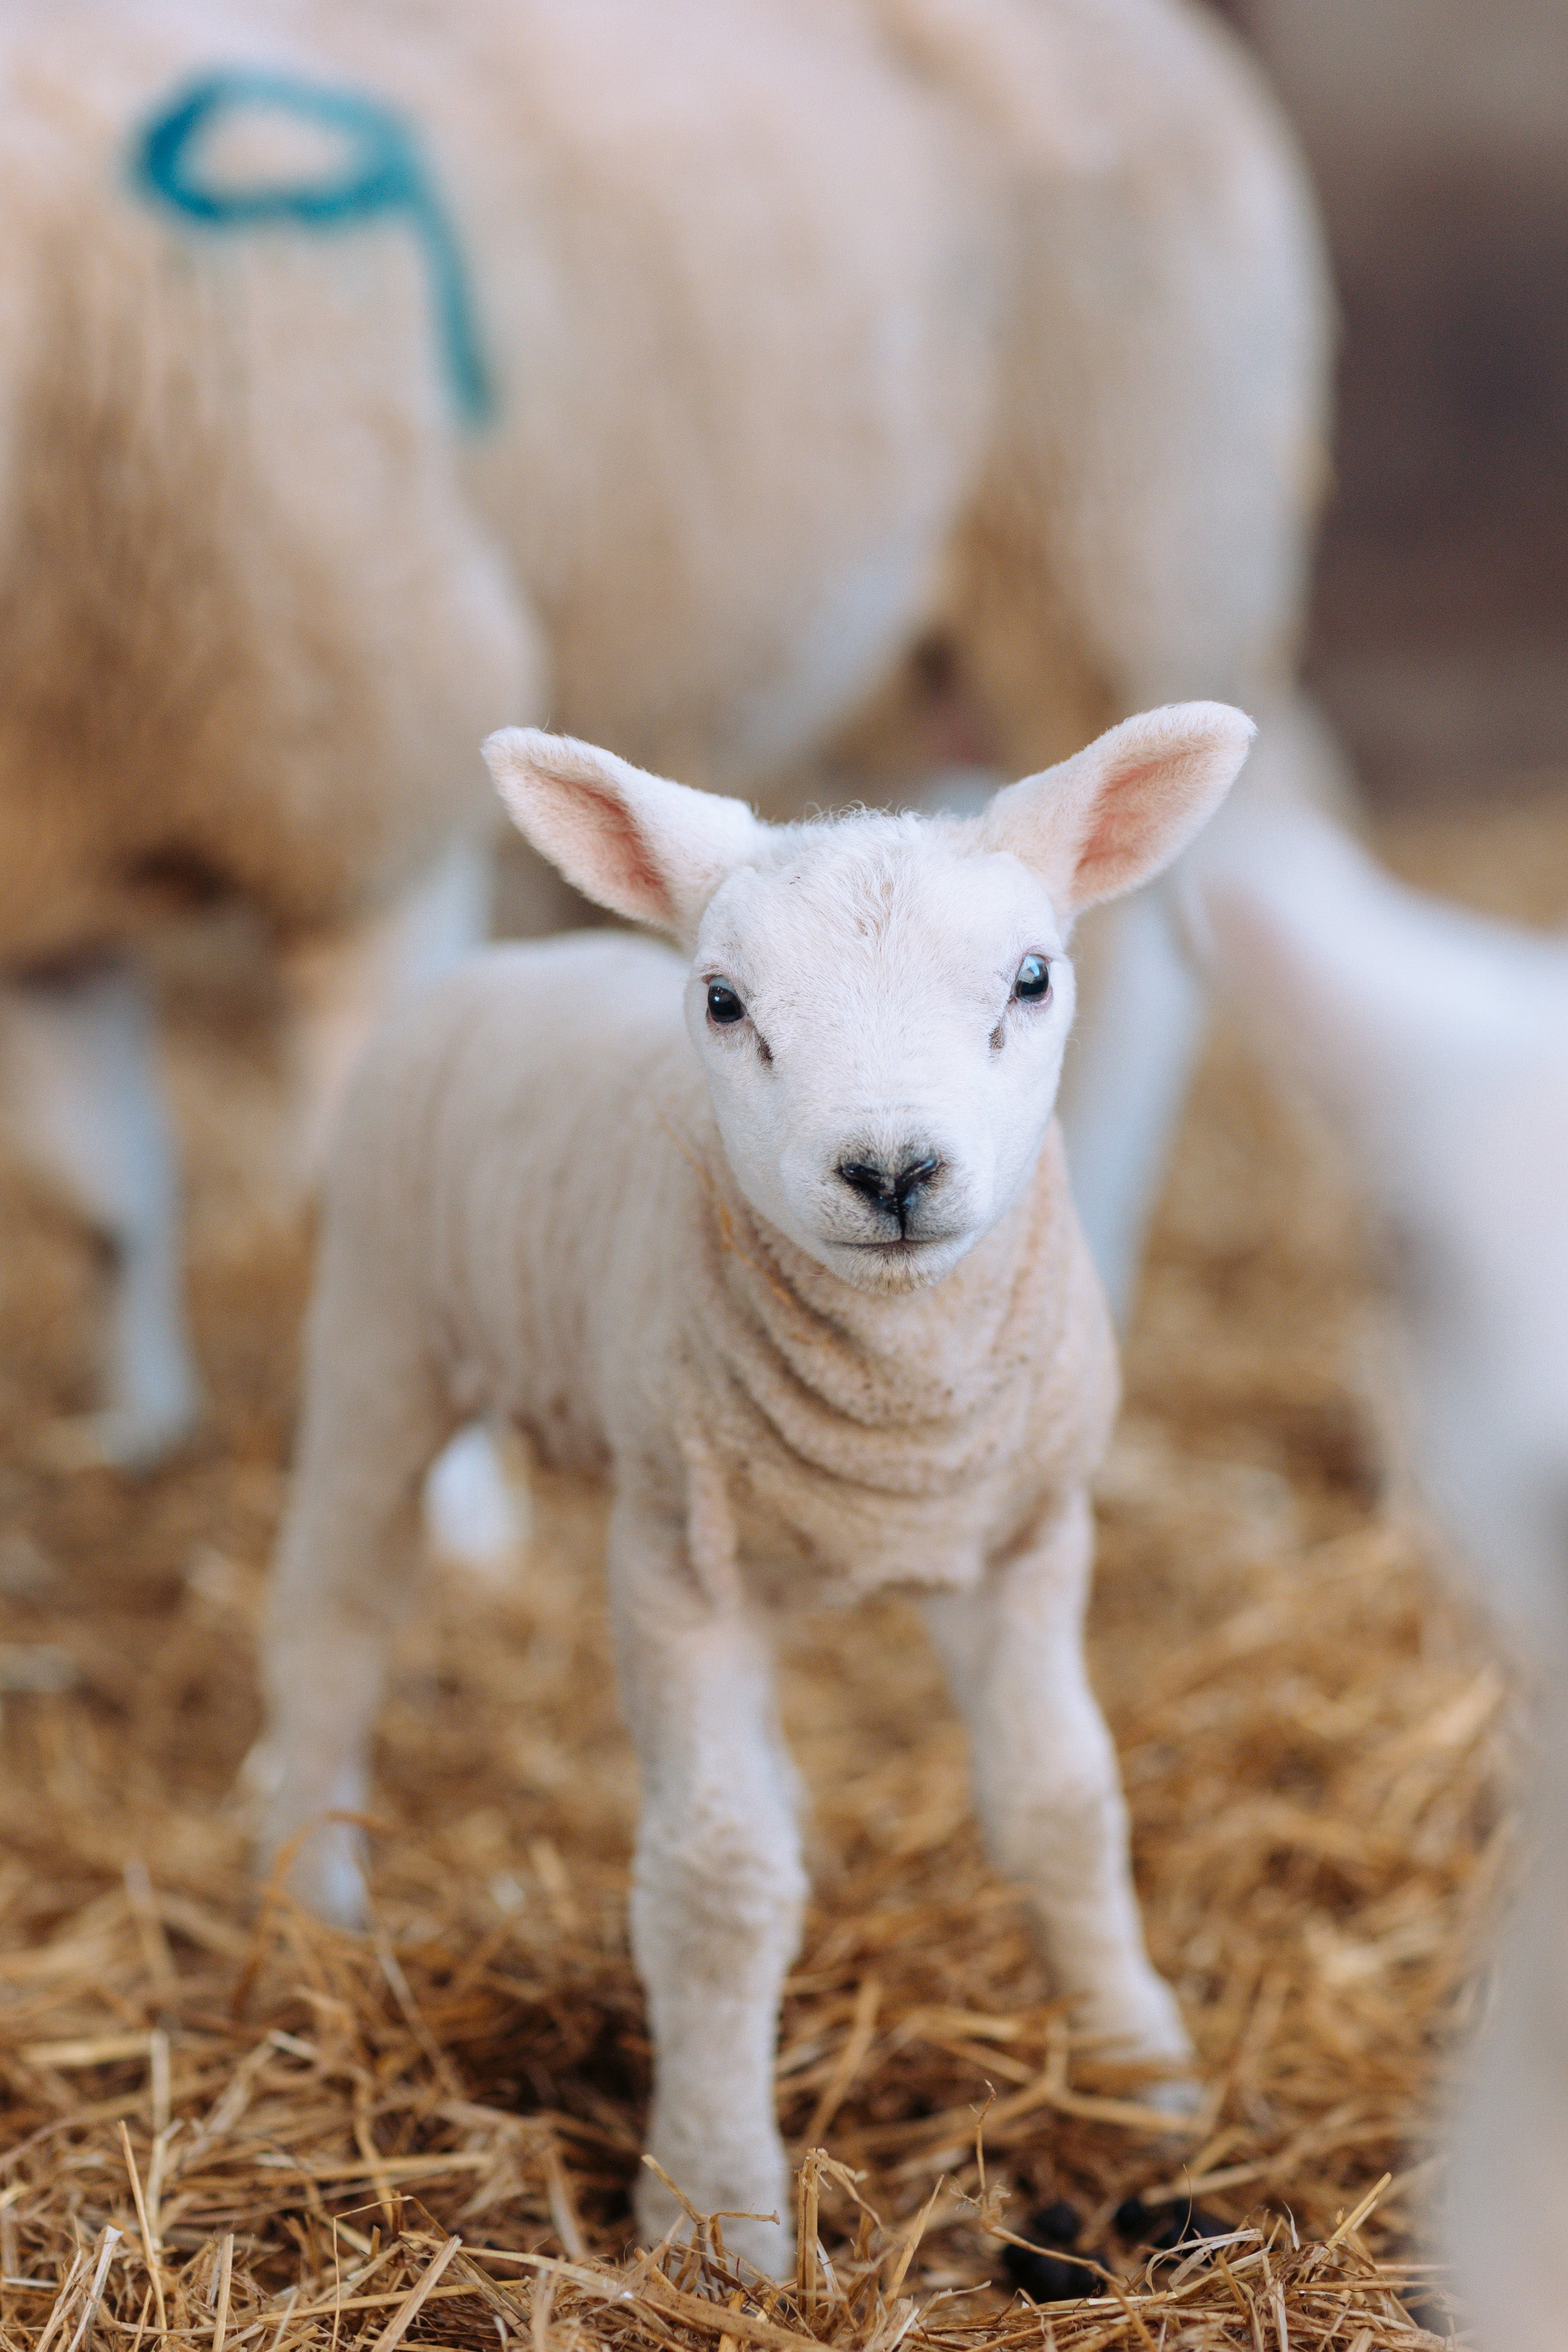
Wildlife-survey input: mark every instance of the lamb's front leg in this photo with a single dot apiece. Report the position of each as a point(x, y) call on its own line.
point(717, 1885)
point(1048, 1789)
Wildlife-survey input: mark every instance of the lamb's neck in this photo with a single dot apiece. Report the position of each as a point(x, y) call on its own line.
point(911, 1359)
point(864, 1440)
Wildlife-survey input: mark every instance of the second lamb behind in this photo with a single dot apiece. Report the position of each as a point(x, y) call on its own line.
point(777, 1233)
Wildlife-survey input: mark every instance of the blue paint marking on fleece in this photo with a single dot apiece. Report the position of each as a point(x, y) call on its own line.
point(382, 173)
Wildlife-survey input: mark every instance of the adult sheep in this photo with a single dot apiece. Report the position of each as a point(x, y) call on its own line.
point(808, 331)
point(1438, 1043)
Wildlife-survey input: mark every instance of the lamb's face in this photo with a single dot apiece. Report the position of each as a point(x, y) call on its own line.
point(879, 1004)
point(881, 1008)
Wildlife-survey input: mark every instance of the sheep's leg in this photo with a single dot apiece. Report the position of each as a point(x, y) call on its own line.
point(718, 1888)
point(88, 1105)
point(1047, 1785)
point(1140, 1025)
point(375, 1417)
point(1142, 1015)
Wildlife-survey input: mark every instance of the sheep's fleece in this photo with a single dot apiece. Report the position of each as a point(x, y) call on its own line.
point(817, 328)
point(1438, 1043)
point(780, 1235)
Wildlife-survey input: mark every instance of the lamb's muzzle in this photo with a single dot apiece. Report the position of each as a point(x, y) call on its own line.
point(895, 1187)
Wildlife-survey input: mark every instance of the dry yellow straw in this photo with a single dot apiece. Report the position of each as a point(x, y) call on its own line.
point(153, 2270)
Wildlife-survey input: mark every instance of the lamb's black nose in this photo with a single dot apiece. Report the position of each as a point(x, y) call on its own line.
point(887, 1187)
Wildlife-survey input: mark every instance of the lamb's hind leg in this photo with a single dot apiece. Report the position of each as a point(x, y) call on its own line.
point(718, 1887)
point(87, 1101)
point(375, 1416)
point(1047, 1788)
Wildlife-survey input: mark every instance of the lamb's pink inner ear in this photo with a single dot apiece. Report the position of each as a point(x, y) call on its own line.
point(604, 852)
point(1117, 813)
point(647, 848)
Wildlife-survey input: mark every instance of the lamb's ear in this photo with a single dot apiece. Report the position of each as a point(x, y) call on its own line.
point(643, 847)
point(1115, 814)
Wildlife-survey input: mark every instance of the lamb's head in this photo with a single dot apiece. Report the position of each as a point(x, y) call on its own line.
point(880, 1002)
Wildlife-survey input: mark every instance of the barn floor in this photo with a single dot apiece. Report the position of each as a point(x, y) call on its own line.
point(285, 2126)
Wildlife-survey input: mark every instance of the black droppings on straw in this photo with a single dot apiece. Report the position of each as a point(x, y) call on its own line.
point(1167, 2230)
point(1043, 2274)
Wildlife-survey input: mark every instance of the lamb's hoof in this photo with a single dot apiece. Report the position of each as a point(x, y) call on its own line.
point(1139, 2023)
point(763, 2248)
point(116, 1439)
point(322, 1871)
point(324, 1877)
point(476, 1513)
point(756, 2240)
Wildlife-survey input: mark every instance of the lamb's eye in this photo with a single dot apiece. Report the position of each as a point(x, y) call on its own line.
point(1033, 980)
point(723, 1005)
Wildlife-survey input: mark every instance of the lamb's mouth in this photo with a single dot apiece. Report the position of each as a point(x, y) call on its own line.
point(905, 1246)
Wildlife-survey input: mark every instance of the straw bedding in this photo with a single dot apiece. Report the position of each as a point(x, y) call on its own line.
point(223, 2125)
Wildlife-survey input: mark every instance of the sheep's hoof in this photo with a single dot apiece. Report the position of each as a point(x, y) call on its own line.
point(116, 1439)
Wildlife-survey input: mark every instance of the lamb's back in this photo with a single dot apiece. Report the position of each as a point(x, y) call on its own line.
point(516, 1145)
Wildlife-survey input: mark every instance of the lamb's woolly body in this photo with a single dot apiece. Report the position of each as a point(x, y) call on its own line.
point(594, 1272)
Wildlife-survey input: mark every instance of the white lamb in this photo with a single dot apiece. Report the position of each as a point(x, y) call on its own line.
point(1439, 1044)
point(814, 328)
point(777, 1232)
